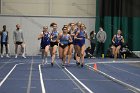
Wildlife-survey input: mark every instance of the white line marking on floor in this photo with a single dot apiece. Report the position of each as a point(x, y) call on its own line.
point(137, 90)
point(123, 70)
point(41, 80)
point(8, 74)
point(81, 89)
point(30, 78)
point(106, 62)
point(79, 81)
point(30, 87)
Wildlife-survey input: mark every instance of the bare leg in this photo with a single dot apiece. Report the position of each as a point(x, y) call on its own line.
point(42, 55)
point(70, 49)
point(79, 54)
point(23, 50)
point(65, 51)
point(16, 47)
point(46, 53)
point(82, 54)
point(53, 53)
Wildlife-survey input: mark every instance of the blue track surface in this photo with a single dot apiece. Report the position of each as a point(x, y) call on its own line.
point(123, 72)
point(25, 77)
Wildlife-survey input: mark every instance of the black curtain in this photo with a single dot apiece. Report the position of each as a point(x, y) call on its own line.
point(119, 14)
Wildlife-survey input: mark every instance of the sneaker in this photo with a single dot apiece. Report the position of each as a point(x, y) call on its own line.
point(23, 56)
point(43, 62)
point(82, 65)
point(16, 56)
point(51, 64)
point(1, 56)
point(113, 60)
point(77, 63)
point(7, 55)
point(63, 66)
point(93, 57)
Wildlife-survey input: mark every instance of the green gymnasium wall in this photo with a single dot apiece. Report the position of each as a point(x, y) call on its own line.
point(120, 14)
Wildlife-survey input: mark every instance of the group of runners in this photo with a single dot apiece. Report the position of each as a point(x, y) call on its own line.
point(70, 40)
point(72, 37)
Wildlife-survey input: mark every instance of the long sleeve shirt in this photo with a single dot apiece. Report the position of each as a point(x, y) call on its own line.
point(18, 36)
point(101, 36)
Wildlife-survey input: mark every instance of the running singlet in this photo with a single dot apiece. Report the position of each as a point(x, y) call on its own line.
point(75, 40)
point(46, 39)
point(4, 36)
point(118, 40)
point(54, 36)
point(64, 39)
point(72, 33)
point(81, 35)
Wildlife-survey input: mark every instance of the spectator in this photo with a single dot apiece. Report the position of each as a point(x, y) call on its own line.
point(4, 41)
point(19, 40)
point(92, 41)
point(88, 52)
point(101, 38)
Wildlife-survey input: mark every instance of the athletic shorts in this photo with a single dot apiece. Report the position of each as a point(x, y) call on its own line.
point(19, 43)
point(70, 43)
point(43, 46)
point(4, 43)
point(63, 46)
point(52, 44)
point(81, 42)
point(116, 45)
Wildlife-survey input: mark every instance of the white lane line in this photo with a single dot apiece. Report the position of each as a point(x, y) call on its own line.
point(137, 90)
point(79, 81)
point(30, 78)
point(11, 62)
point(107, 62)
point(7, 75)
point(74, 79)
point(71, 79)
point(123, 70)
point(41, 80)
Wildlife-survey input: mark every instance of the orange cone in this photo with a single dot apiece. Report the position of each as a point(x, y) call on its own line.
point(95, 66)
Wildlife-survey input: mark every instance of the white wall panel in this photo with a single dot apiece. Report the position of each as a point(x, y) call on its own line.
point(84, 8)
point(32, 26)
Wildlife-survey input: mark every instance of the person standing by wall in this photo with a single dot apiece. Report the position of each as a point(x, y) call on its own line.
point(19, 40)
point(4, 41)
point(92, 42)
point(101, 38)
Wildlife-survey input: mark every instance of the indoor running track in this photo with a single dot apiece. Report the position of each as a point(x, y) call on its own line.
point(28, 76)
